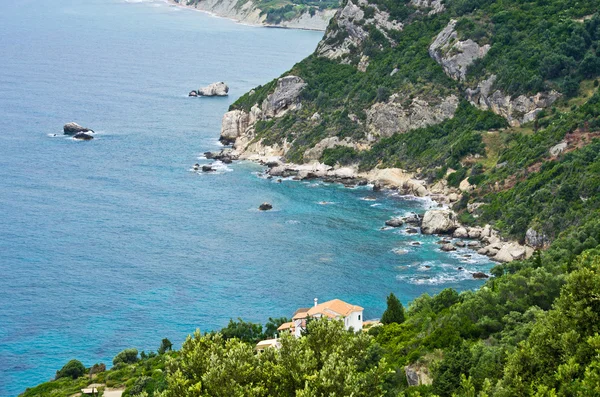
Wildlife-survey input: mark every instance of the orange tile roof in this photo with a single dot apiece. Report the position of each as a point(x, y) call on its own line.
point(334, 308)
point(285, 326)
point(301, 313)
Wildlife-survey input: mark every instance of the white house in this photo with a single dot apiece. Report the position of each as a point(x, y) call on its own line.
point(335, 309)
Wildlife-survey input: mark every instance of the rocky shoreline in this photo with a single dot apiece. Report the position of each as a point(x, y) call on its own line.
point(250, 14)
point(440, 221)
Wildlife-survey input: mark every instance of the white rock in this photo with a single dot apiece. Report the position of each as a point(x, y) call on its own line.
point(438, 221)
point(214, 89)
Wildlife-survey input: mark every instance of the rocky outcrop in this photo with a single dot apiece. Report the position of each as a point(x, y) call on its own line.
point(394, 116)
point(394, 222)
point(83, 136)
point(214, 89)
point(536, 239)
point(285, 97)
point(510, 252)
point(558, 149)
point(233, 125)
point(453, 55)
point(417, 375)
point(265, 207)
point(517, 111)
point(74, 128)
point(438, 222)
point(350, 23)
point(434, 6)
point(315, 153)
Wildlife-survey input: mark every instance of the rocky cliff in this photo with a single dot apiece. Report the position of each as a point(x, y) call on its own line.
point(442, 90)
point(249, 12)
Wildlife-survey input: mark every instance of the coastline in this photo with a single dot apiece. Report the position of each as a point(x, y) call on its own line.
point(440, 220)
point(252, 18)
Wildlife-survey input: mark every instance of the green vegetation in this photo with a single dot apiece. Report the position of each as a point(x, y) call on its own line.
point(394, 313)
point(532, 330)
point(73, 369)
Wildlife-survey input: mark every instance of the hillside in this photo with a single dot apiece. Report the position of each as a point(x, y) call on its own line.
point(305, 14)
point(495, 107)
point(491, 101)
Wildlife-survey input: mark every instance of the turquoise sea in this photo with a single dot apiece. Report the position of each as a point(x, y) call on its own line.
point(115, 243)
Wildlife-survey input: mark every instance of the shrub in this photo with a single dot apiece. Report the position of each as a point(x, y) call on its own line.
point(127, 356)
point(73, 369)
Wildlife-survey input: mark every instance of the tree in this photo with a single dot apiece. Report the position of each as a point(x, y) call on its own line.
point(73, 369)
point(272, 325)
point(394, 312)
point(165, 346)
point(242, 330)
point(127, 356)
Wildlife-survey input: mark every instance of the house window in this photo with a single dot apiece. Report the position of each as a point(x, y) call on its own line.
point(359, 316)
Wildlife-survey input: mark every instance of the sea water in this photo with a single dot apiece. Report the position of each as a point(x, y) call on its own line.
point(116, 243)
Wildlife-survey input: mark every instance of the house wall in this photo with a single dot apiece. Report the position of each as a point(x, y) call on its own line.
point(354, 320)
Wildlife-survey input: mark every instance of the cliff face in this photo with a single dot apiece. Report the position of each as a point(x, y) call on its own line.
point(383, 69)
point(249, 12)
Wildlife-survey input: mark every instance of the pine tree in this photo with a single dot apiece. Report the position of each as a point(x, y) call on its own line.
point(394, 312)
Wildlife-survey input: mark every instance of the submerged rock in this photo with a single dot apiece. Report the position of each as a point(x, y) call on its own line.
point(208, 168)
point(214, 89)
point(265, 207)
point(74, 128)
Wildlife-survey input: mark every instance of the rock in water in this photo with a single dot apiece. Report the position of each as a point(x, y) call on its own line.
point(214, 89)
point(394, 222)
point(265, 207)
point(480, 275)
point(82, 136)
point(448, 247)
point(207, 168)
point(74, 128)
point(193, 93)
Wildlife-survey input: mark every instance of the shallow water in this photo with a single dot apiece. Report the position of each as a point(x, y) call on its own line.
point(115, 243)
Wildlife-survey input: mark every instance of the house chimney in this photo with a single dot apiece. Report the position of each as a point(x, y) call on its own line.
point(316, 300)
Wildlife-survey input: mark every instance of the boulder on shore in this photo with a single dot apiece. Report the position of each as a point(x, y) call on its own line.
point(214, 89)
point(265, 207)
point(82, 136)
point(74, 128)
point(438, 222)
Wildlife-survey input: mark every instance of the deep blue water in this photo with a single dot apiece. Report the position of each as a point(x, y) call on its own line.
point(114, 243)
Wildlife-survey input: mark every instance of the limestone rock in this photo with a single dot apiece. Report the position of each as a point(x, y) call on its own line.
point(386, 119)
point(438, 222)
point(453, 55)
point(535, 239)
point(558, 149)
point(435, 6)
point(465, 186)
point(510, 252)
point(315, 153)
point(74, 128)
point(285, 97)
point(448, 247)
point(214, 89)
point(516, 111)
point(475, 232)
point(461, 232)
point(233, 125)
